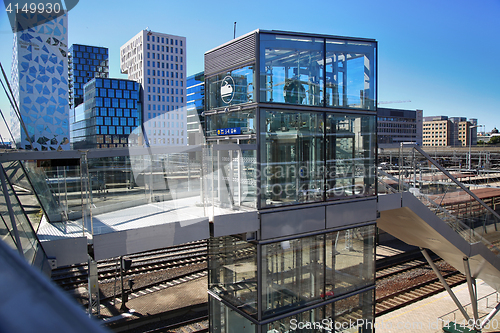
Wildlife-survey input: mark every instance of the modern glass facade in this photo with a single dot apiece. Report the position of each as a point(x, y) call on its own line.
point(195, 103)
point(39, 84)
point(332, 273)
point(300, 112)
point(85, 62)
point(395, 126)
point(110, 116)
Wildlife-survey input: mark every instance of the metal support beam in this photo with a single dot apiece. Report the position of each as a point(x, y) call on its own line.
point(471, 283)
point(490, 315)
point(11, 212)
point(445, 285)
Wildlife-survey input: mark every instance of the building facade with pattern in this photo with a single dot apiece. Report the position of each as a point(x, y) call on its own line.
point(110, 115)
point(85, 62)
point(40, 85)
point(158, 62)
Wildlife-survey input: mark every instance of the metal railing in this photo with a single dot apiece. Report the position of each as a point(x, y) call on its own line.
point(457, 204)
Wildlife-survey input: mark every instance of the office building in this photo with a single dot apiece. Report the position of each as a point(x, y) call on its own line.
point(158, 62)
point(294, 252)
point(109, 117)
point(449, 131)
point(85, 62)
point(40, 85)
point(395, 126)
point(195, 101)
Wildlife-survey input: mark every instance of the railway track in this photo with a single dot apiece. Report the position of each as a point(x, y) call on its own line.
point(196, 325)
point(174, 257)
point(195, 253)
point(415, 292)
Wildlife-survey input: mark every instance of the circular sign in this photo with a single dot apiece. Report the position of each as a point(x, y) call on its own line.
point(227, 89)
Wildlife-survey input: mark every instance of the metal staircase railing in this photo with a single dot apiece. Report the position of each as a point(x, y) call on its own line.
point(448, 198)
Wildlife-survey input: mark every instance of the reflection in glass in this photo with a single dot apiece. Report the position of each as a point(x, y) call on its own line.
point(291, 274)
point(231, 88)
point(304, 322)
point(27, 237)
point(350, 152)
point(291, 70)
point(233, 272)
point(350, 74)
point(292, 157)
point(244, 120)
point(231, 180)
point(352, 314)
point(349, 260)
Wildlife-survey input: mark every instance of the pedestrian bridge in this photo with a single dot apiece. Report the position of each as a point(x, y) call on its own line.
point(423, 205)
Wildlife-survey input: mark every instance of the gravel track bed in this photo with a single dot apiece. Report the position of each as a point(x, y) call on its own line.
point(409, 279)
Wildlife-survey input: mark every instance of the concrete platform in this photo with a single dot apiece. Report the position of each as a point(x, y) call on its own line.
point(423, 316)
point(121, 230)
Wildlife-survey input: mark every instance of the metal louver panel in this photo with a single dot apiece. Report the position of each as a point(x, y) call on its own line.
point(230, 55)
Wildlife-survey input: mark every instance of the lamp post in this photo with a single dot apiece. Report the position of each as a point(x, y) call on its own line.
point(470, 142)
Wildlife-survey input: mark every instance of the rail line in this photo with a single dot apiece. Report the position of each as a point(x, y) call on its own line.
point(414, 293)
point(71, 277)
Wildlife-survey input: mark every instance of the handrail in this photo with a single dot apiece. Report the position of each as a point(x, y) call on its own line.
point(462, 186)
point(457, 224)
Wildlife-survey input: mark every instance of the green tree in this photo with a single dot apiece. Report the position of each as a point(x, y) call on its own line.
point(494, 140)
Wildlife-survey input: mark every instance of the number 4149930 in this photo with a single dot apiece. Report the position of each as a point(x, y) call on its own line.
point(33, 7)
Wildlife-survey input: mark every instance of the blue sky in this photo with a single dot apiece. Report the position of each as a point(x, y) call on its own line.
point(442, 55)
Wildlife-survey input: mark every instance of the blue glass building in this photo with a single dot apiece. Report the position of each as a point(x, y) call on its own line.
point(109, 115)
point(195, 101)
point(85, 62)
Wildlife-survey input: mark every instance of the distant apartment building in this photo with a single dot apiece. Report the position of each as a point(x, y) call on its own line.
point(40, 84)
point(109, 117)
point(195, 100)
point(395, 126)
point(158, 62)
point(449, 131)
point(467, 133)
point(85, 62)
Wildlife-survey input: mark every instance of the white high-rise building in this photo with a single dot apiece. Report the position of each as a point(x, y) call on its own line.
point(158, 62)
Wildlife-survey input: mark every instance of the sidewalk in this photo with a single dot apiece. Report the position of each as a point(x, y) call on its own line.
point(423, 316)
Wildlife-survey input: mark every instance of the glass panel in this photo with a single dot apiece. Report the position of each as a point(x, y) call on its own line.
point(232, 123)
point(226, 320)
point(350, 151)
point(47, 198)
point(291, 69)
point(230, 180)
point(350, 74)
point(233, 272)
point(27, 236)
point(304, 322)
point(292, 157)
point(349, 260)
point(351, 315)
point(291, 274)
point(22, 187)
point(231, 88)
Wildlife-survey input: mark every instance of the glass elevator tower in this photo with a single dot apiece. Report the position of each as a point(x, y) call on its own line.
point(291, 126)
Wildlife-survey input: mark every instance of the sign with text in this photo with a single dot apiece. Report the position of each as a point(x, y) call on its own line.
point(229, 131)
